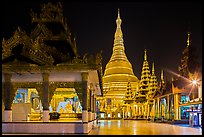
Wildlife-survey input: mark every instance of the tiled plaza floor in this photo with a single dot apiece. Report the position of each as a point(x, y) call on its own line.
point(141, 127)
point(135, 127)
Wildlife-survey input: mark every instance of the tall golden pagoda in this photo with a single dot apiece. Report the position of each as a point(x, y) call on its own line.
point(118, 71)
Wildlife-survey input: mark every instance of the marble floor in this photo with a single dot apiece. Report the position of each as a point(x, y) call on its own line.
point(137, 127)
point(141, 127)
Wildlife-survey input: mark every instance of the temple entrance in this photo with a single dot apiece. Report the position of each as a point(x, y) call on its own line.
point(66, 102)
point(26, 105)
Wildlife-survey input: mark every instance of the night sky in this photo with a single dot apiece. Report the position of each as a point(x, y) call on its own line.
point(159, 27)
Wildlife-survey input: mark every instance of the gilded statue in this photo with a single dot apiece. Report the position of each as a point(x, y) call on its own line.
point(69, 107)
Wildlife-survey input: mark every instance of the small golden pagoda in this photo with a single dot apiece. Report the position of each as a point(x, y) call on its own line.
point(153, 86)
point(153, 80)
point(144, 82)
point(118, 71)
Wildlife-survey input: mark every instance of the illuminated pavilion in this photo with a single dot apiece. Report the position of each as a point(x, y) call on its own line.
point(180, 100)
point(44, 80)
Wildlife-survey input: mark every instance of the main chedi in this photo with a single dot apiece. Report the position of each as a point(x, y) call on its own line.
point(118, 73)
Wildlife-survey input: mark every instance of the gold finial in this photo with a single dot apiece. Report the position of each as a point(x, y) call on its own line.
point(145, 54)
point(118, 13)
point(188, 40)
point(118, 33)
point(152, 68)
point(162, 76)
point(118, 21)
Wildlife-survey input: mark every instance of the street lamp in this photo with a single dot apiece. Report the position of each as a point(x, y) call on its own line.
point(198, 84)
point(194, 82)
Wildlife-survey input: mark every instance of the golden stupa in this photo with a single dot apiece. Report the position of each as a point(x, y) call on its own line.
point(118, 71)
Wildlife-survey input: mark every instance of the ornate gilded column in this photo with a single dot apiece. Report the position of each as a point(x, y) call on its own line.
point(85, 96)
point(140, 111)
point(153, 114)
point(8, 94)
point(200, 90)
point(90, 104)
point(143, 111)
point(158, 108)
point(136, 110)
point(177, 115)
point(45, 97)
point(168, 107)
point(94, 106)
point(148, 110)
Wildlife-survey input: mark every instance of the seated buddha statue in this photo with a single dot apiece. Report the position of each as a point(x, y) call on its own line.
point(69, 107)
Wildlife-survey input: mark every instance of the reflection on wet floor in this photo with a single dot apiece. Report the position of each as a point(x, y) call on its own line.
point(141, 127)
point(133, 127)
point(57, 120)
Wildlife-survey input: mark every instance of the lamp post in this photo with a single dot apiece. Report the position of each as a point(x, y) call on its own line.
point(199, 85)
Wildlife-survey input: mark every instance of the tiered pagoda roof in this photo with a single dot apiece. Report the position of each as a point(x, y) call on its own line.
point(49, 42)
point(144, 84)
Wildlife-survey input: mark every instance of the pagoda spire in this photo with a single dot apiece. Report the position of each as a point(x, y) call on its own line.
point(118, 34)
point(188, 40)
point(145, 68)
point(162, 76)
point(153, 69)
point(145, 55)
point(153, 80)
point(184, 65)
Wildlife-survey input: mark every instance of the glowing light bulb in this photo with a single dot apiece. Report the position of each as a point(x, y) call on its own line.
point(194, 82)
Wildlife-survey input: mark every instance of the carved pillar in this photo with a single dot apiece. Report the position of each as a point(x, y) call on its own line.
point(93, 109)
point(153, 114)
point(45, 97)
point(94, 105)
point(136, 110)
point(168, 107)
point(89, 104)
point(177, 115)
point(200, 90)
point(85, 95)
point(158, 108)
point(148, 111)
